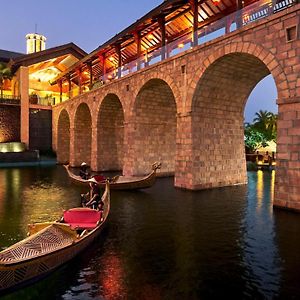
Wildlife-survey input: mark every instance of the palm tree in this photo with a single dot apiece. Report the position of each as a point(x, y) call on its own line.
point(266, 122)
point(272, 126)
point(5, 73)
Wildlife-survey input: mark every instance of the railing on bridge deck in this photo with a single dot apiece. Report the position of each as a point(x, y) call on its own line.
point(9, 99)
point(230, 23)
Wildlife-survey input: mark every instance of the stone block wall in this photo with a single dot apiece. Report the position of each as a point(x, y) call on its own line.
point(9, 123)
point(63, 132)
point(110, 127)
point(187, 111)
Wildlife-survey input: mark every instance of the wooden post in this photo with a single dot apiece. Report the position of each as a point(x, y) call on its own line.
point(239, 21)
point(195, 11)
point(119, 54)
point(137, 38)
point(89, 65)
point(69, 85)
point(161, 22)
point(60, 90)
point(78, 71)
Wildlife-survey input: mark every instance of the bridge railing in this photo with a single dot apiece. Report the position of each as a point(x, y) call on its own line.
point(230, 23)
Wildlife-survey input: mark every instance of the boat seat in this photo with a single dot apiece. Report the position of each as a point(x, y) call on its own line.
point(99, 178)
point(82, 218)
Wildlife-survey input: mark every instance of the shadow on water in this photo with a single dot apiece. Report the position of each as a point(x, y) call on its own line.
point(163, 242)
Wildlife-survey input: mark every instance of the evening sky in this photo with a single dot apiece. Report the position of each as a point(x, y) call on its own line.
point(88, 24)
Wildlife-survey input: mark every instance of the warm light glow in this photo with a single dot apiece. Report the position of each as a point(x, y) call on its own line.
point(216, 2)
point(35, 42)
point(272, 187)
point(112, 277)
point(44, 75)
point(111, 58)
point(260, 188)
point(181, 45)
point(86, 73)
point(109, 77)
point(150, 36)
point(246, 18)
point(12, 147)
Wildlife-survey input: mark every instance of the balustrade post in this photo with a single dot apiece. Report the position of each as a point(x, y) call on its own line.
point(194, 7)
point(162, 27)
point(60, 90)
point(137, 38)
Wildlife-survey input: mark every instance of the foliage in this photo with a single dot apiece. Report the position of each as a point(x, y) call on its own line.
point(266, 123)
point(254, 139)
point(263, 130)
point(5, 73)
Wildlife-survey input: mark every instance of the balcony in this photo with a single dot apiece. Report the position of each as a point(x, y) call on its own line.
point(10, 100)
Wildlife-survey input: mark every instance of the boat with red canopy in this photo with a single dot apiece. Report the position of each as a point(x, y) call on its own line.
point(51, 244)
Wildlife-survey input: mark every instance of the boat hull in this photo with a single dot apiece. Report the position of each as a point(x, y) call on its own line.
point(122, 183)
point(51, 245)
point(18, 275)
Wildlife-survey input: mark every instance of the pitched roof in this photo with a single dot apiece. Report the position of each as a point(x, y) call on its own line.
point(33, 58)
point(6, 56)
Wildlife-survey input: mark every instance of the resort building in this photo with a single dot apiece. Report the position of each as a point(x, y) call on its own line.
point(26, 93)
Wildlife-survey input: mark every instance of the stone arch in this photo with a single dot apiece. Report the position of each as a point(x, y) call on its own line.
point(63, 137)
point(82, 134)
point(217, 109)
point(153, 127)
point(110, 130)
point(239, 48)
point(158, 76)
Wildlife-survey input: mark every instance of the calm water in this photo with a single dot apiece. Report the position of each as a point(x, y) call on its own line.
point(162, 243)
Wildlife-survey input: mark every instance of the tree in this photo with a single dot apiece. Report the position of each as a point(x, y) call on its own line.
point(5, 73)
point(254, 139)
point(266, 123)
point(263, 130)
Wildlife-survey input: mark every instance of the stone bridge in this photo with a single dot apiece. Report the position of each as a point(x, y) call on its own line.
point(188, 112)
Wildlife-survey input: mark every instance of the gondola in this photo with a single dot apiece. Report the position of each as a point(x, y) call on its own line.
point(51, 244)
point(121, 182)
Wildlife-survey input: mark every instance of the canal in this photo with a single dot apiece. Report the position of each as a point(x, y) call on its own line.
point(162, 243)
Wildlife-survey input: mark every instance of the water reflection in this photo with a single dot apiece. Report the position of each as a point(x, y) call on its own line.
point(259, 239)
point(162, 243)
point(260, 188)
point(272, 186)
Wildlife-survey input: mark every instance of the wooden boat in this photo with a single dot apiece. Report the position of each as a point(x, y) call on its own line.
point(121, 182)
point(51, 244)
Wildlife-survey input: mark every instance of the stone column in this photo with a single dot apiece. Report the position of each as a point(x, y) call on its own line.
point(129, 152)
point(94, 150)
point(287, 180)
point(184, 154)
point(73, 161)
point(24, 90)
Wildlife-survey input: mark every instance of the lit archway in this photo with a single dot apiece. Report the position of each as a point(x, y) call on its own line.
point(63, 137)
point(110, 134)
point(83, 134)
point(154, 131)
point(218, 119)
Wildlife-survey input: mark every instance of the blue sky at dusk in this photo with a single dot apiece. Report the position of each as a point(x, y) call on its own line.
point(89, 24)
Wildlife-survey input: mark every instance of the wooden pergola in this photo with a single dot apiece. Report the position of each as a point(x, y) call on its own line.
point(163, 25)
